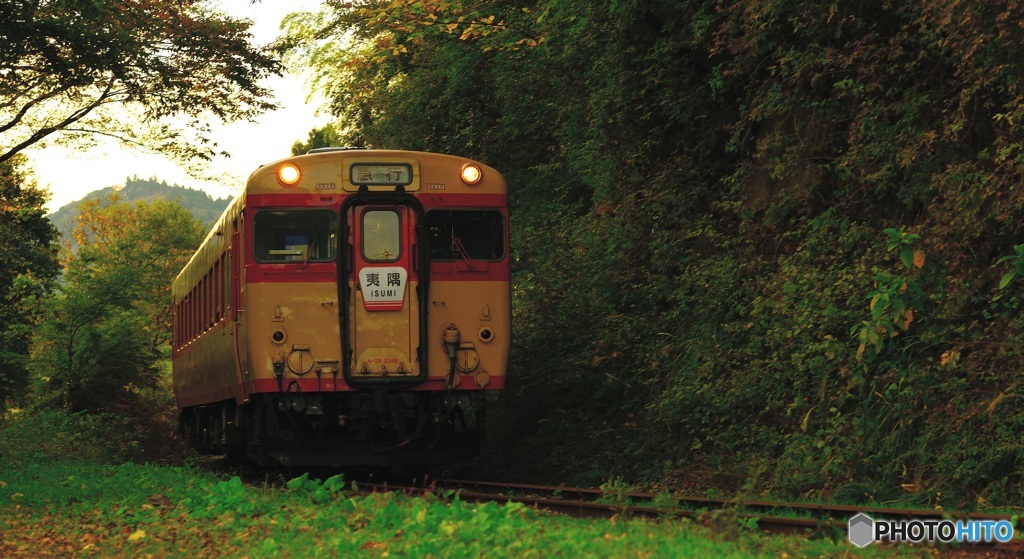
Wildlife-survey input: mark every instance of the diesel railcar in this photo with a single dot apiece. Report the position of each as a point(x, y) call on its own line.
point(350, 307)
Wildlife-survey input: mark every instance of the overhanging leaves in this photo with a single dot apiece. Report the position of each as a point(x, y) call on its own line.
point(68, 67)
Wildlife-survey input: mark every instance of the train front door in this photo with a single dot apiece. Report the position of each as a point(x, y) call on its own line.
point(384, 319)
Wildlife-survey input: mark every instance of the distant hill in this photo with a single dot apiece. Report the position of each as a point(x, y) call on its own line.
point(201, 204)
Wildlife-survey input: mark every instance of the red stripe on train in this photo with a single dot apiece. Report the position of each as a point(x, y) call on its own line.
point(325, 385)
point(429, 201)
point(440, 271)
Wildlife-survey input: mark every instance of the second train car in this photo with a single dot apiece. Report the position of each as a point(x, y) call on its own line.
point(350, 307)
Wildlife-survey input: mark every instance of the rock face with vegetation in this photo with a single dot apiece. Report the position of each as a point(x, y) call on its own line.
point(757, 243)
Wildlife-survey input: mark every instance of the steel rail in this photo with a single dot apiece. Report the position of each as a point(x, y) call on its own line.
point(582, 502)
point(593, 509)
point(819, 509)
point(827, 519)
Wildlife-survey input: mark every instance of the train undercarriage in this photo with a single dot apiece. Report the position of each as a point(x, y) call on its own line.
point(366, 428)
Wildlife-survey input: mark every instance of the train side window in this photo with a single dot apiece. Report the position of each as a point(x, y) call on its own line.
point(295, 235)
point(480, 233)
point(204, 297)
point(208, 284)
point(202, 304)
point(198, 320)
point(382, 236)
point(197, 311)
point(218, 291)
point(211, 297)
point(228, 286)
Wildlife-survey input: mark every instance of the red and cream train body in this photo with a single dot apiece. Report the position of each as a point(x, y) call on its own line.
point(350, 307)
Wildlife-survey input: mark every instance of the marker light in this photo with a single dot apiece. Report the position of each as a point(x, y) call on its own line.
point(471, 174)
point(288, 174)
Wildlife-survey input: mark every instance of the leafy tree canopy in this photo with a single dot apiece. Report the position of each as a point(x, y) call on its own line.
point(149, 74)
point(100, 336)
point(324, 137)
point(28, 264)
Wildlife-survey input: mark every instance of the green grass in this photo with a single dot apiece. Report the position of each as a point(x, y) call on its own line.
point(75, 509)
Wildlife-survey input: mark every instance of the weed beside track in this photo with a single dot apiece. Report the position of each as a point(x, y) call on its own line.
point(76, 509)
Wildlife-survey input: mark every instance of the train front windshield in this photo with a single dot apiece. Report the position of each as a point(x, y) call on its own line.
point(480, 233)
point(295, 235)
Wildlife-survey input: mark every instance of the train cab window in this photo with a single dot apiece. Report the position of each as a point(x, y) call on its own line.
point(295, 235)
point(381, 236)
point(480, 233)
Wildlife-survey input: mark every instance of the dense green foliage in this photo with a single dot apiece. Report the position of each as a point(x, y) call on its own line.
point(98, 346)
point(755, 241)
point(73, 509)
point(28, 265)
point(41, 434)
point(327, 136)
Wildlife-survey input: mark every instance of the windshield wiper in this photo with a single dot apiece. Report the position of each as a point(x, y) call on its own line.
point(309, 252)
point(457, 244)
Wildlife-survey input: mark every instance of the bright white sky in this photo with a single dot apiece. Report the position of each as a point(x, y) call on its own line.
point(70, 175)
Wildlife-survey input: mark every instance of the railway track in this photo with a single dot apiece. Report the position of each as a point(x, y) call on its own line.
point(647, 500)
point(767, 516)
point(594, 503)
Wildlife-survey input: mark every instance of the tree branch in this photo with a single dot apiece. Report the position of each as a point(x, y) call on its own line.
point(28, 106)
point(71, 119)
